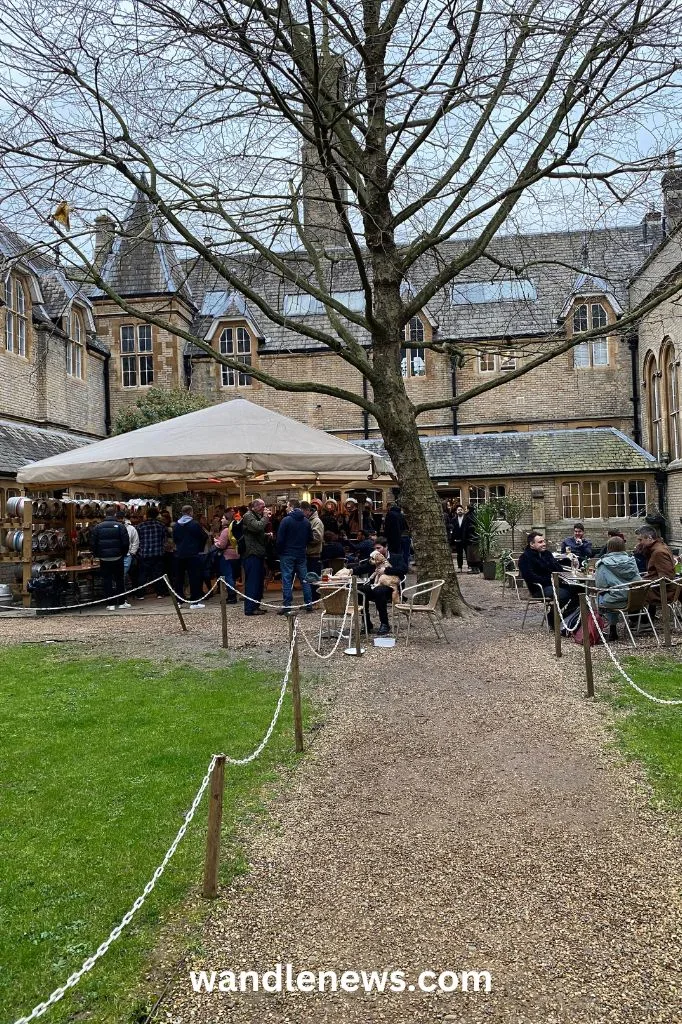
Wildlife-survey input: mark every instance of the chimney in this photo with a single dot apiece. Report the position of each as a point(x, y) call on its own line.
point(671, 184)
point(652, 227)
point(105, 229)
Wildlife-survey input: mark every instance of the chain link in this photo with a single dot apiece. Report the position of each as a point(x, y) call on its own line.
point(324, 657)
point(276, 607)
point(100, 600)
point(90, 962)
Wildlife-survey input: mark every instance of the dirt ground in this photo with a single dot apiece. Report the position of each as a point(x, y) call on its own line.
point(460, 809)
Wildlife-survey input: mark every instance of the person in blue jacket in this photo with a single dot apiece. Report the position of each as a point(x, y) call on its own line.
point(293, 536)
point(190, 540)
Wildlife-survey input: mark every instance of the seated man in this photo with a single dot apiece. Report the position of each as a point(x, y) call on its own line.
point(384, 581)
point(660, 562)
point(364, 545)
point(536, 566)
point(332, 548)
point(578, 544)
point(614, 572)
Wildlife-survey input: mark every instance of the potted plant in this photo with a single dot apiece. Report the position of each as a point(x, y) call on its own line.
point(486, 521)
point(514, 511)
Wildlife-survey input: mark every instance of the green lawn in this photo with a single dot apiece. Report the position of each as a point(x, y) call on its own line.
point(100, 761)
point(648, 732)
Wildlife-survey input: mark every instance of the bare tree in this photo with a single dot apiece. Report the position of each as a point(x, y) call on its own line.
point(415, 124)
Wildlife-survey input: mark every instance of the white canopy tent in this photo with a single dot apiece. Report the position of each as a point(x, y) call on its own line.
point(232, 443)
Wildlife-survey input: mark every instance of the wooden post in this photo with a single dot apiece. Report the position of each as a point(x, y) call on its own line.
point(356, 616)
point(665, 614)
point(215, 819)
point(222, 590)
point(26, 551)
point(557, 616)
point(177, 608)
point(296, 686)
point(587, 650)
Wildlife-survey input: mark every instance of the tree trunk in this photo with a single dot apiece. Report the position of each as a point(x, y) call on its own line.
point(422, 506)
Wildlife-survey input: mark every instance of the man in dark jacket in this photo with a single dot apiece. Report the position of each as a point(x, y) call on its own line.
point(461, 531)
point(190, 540)
point(293, 537)
point(109, 541)
point(252, 550)
point(536, 566)
point(395, 527)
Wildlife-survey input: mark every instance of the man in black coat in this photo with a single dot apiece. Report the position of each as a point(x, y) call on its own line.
point(536, 566)
point(461, 530)
point(395, 525)
point(109, 541)
point(190, 540)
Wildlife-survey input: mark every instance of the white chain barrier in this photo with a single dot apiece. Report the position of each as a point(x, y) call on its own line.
point(324, 657)
point(90, 961)
point(569, 629)
point(190, 601)
point(100, 600)
point(276, 607)
point(626, 677)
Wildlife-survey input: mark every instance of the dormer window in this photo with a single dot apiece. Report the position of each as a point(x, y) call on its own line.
point(75, 345)
point(16, 321)
point(235, 341)
point(590, 317)
point(412, 359)
point(137, 359)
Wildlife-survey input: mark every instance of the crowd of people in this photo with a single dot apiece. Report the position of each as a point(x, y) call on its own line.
point(615, 569)
point(244, 545)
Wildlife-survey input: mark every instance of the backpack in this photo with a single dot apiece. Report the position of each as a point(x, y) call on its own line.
point(234, 541)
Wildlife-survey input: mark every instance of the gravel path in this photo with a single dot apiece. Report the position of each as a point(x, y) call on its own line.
point(458, 812)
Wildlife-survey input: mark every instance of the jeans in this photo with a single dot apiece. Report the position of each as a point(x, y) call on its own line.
point(112, 579)
point(194, 568)
point(290, 566)
point(314, 565)
point(227, 567)
point(406, 546)
point(151, 567)
point(254, 580)
point(381, 597)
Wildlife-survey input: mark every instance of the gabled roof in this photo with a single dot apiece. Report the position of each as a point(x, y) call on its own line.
point(537, 453)
point(142, 259)
point(21, 444)
point(52, 292)
point(520, 288)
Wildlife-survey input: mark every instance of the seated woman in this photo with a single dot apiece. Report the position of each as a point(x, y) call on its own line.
point(615, 571)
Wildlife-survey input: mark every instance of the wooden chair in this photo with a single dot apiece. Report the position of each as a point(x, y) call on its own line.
point(409, 605)
point(333, 610)
point(537, 597)
point(637, 604)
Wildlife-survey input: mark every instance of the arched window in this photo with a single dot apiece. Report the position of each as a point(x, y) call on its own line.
point(412, 361)
point(671, 390)
point(16, 329)
point(75, 345)
point(652, 384)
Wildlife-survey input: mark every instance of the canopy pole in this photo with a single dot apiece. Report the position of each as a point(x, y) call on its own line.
point(242, 491)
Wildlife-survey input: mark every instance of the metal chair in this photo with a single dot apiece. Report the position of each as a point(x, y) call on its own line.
point(333, 611)
point(538, 599)
point(409, 606)
point(511, 577)
point(637, 604)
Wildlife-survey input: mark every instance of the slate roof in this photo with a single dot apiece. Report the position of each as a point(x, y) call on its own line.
point(142, 260)
point(540, 453)
point(21, 444)
point(525, 297)
point(52, 292)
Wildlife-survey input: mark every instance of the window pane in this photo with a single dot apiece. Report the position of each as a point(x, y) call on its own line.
point(616, 499)
point(403, 362)
point(20, 299)
point(497, 491)
point(417, 362)
point(507, 362)
point(129, 371)
point(486, 362)
point(69, 357)
point(580, 319)
point(476, 496)
point(79, 360)
point(144, 337)
point(581, 355)
point(637, 497)
point(243, 341)
point(227, 376)
point(226, 344)
point(146, 370)
point(598, 315)
point(21, 337)
point(77, 328)
point(570, 501)
point(127, 339)
point(415, 331)
point(244, 379)
point(9, 332)
point(591, 500)
point(600, 352)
